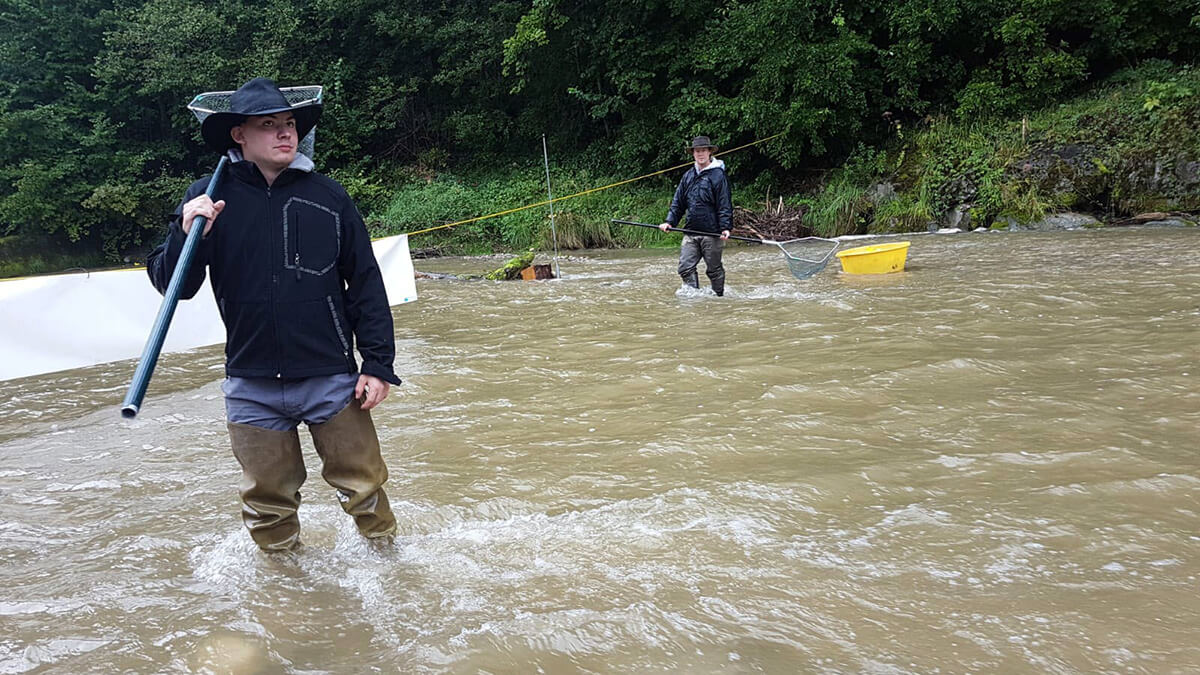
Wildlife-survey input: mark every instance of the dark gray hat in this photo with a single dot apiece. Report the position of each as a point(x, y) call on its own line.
point(701, 142)
point(259, 96)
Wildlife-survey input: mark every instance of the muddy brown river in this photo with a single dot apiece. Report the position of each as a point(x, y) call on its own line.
point(987, 463)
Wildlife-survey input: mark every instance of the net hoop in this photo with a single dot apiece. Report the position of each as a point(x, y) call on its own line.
point(211, 102)
point(807, 255)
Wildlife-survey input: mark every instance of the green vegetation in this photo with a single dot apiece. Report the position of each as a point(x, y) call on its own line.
point(96, 145)
point(511, 269)
point(29, 256)
point(580, 222)
point(1098, 152)
point(1130, 145)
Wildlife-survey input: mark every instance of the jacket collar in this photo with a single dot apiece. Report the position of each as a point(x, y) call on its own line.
point(300, 163)
point(249, 172)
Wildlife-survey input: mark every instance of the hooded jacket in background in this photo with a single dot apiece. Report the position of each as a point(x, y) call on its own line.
point(706, 199)
point(293, 273)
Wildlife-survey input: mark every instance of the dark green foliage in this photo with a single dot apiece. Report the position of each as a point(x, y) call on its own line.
point(95, 143)
point(1131, 145)
point(580, 222)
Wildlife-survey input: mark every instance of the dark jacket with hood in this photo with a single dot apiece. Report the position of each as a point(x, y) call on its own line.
point(293, 273)
point(705, 197)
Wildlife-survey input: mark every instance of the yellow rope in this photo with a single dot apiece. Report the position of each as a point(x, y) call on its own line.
point(585, 192)
point(522, 208)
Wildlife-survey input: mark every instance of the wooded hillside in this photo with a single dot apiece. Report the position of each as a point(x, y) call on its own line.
point(96, 145)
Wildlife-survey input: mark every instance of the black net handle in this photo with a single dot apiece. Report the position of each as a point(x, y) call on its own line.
point(696, 232)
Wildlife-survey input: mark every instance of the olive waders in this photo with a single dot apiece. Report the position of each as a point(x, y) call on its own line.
point(273, 471)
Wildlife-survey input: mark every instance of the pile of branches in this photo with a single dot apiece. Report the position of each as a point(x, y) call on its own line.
point(775, 221)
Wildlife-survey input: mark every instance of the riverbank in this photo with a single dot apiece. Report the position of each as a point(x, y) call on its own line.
point(1125, 152)
point(22, 256)
point(1131, 146)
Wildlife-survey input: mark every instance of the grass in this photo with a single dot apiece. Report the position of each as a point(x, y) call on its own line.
point(579, 222)
point(1103, 152)
point(22, 256)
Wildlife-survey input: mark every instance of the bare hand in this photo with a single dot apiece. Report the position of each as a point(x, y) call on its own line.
point(724, 234)
point(665, 227)
point(201, 206)
point(370, 390)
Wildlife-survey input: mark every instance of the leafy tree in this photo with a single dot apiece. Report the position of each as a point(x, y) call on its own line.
point(96, 144)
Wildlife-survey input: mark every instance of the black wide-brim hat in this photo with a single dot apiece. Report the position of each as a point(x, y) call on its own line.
point(700, 142)
point(259, 96)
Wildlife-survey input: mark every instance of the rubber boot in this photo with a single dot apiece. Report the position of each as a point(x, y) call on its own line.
point(272, 473)
point(690, 278)
point(717, 279)
point(349, 449)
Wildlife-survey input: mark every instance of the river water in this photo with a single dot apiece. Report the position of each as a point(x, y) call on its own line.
point(986, 463)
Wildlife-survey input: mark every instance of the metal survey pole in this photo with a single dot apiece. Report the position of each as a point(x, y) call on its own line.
point(158, 333)
point(550, 194)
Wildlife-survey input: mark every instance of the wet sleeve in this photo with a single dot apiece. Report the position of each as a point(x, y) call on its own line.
point(678, 203)
point(366, 299)
point(161, 262)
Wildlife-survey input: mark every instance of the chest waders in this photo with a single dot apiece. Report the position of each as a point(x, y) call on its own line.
point(273, 471)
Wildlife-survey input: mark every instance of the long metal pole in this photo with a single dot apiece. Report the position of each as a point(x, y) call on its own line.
point(550, 194)
point(699, 233)
point(158, 334)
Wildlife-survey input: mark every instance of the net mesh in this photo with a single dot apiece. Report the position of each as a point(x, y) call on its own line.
point(807, 256)
point(218, 101)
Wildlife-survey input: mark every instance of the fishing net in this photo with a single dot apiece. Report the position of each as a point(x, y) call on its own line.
point(807, 256)
point(218, 101)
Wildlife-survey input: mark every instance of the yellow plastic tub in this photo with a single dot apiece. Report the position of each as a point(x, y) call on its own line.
point(877, 259)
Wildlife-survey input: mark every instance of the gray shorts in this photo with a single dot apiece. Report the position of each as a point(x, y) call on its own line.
point(282, 404)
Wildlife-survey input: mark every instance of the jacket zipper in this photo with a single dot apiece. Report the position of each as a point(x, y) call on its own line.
point(337, 325)
point(296, 224)
point(274, 306)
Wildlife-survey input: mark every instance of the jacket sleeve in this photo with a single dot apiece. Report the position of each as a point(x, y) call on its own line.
point(678, 202)
point(724, 204)
point(161, 262)
point(365, 298)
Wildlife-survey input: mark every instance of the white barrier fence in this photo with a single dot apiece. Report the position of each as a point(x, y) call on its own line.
point(67, 321)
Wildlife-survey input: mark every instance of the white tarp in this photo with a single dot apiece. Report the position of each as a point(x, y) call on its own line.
point(67, 321)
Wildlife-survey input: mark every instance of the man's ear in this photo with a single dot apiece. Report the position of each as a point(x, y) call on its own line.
point(238, 135)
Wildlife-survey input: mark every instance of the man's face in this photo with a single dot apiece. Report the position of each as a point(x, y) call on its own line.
point(702, 156)
point(268, 140)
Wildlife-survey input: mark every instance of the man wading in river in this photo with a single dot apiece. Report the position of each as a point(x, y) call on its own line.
point(297, 285)
point(703, 194)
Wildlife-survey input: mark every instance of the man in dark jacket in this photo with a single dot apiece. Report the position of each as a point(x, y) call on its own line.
point(297, 285)
point(704, 195)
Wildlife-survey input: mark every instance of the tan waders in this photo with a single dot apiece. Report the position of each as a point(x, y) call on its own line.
point(349, 449)
point(273, 471)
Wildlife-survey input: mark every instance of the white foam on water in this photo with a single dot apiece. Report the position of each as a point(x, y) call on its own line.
point(953, 462)
point(49, 652)
point(87, 485)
